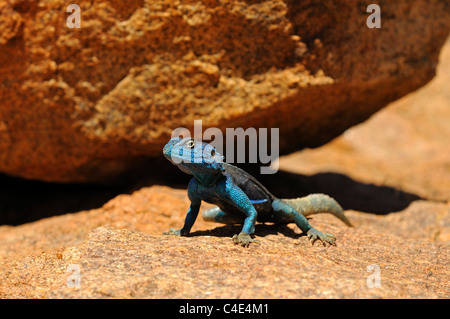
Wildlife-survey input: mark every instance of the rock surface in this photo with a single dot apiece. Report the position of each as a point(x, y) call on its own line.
point(90, 104)
point(129, 258)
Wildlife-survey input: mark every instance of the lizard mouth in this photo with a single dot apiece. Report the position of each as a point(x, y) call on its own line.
point(167, 150)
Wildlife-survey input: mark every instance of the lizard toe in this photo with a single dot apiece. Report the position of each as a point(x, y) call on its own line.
point(314, 235)
point(243, 239)
point(173, 232)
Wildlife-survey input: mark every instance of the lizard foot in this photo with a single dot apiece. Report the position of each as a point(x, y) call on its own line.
point(243, 239)
point(314, 235)
point(174, 232)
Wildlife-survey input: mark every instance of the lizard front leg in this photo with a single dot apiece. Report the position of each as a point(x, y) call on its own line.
point(189, 221)
point(192, 213)
point(236, 196)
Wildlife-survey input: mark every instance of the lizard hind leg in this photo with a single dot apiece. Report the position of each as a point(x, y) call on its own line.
point(216, 215)
point(284, 212)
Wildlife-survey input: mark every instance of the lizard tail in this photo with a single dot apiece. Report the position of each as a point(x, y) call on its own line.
point(318, 203)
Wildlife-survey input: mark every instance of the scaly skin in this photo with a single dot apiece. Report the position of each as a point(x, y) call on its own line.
point(239, 197)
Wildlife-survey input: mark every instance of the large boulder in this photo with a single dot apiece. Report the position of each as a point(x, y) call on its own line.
point(89, 104)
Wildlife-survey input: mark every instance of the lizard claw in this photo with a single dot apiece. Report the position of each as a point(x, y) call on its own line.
point(174, 232)
point(314, 235)
point(243, 239)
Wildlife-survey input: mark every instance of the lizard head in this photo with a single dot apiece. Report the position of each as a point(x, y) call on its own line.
point(194, 157)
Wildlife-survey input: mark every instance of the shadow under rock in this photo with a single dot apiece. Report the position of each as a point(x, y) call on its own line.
point(351, 194)
point(23, 201)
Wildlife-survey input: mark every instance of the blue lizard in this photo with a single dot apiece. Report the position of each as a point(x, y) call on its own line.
point(239, 197)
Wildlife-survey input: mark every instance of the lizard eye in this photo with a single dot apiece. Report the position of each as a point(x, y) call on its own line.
point(190, 144)
point(213, 152)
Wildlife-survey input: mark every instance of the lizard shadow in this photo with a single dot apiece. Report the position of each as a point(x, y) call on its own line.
point(261, 229)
